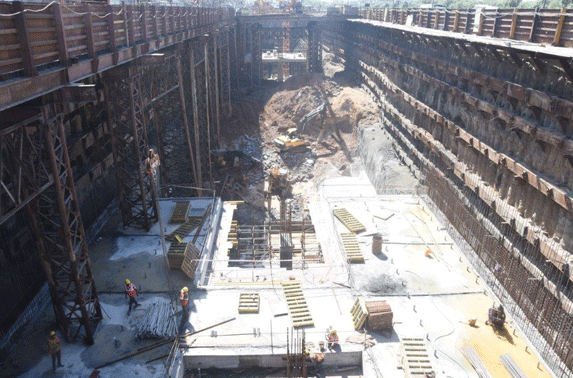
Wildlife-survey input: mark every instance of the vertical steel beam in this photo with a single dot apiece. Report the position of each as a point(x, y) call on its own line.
point(286, 47)
point(195, 101)
point(56, 222)
point(185, 120)
point(314, 48)
point(208, 45)
point(256, 53)
point(124, 105)
point(214, 81)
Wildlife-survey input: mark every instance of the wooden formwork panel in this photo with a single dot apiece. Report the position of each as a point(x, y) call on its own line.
point(296, 303)
point(176, 254)
point(351, 248)
point(180, 212)
point(415, 357)
point(191, 260)
point(348, 220)
point(184, 230)
point(249, 303)
point(359, 313)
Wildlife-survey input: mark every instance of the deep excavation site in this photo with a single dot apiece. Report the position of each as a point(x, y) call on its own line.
point(285, 192)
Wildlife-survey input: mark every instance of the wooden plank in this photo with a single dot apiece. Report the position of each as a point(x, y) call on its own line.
point(190, 261)
point(249, 303)
point(180, 212)
point(62, 48)
point(351, 248)
point(185, 229)
point(89, 31)
point(348, 220)
point(176, 254)
point(415, 357)
point(559, 29)
point(296, 304)
point(24, 38)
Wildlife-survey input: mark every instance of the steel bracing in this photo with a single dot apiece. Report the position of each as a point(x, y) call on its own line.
point(56, 224)
point(126, 114)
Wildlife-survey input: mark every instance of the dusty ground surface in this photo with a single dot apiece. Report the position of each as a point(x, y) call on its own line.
point(266, 113)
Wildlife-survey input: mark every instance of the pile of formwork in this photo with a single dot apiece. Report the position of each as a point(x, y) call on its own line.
point(176, 254)
point(380, 315)
point(180, 212)
point(377, 315)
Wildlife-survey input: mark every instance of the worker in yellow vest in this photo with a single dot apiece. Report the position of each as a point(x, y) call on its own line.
point(54, 349)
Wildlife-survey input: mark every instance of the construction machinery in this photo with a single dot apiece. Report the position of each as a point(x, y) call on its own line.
point(277, 183)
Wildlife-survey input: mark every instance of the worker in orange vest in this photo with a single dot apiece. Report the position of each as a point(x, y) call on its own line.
point(184, 300)
point(131, 292)
point(332, 339)
point(317, 358)
point(54, 349)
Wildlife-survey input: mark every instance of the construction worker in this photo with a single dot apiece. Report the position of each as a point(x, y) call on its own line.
point(496, 316)
point(131, 292)
point(54, 349)
point(317, 359)
point(184, 300)
point(332, 339)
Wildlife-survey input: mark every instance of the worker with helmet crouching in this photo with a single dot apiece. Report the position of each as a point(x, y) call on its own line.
point(55, 350)
point(184, 301)
point(332, 339)
point(131, 293)
point(317, 359)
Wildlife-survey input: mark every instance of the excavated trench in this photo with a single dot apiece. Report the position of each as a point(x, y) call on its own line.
point(450, 130)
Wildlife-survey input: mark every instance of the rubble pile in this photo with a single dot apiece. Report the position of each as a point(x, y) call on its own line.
point(306, 124)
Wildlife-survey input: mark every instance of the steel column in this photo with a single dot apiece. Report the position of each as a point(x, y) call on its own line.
point(124, 105)
point(195, 100)
point(56, 223)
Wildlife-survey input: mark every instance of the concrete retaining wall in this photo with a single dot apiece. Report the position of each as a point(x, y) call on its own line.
point(263, 360)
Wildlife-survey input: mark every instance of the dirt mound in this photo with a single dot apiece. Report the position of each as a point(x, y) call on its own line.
point(345, 106)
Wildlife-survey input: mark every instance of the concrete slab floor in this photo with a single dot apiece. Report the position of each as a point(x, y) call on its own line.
point(432, 294)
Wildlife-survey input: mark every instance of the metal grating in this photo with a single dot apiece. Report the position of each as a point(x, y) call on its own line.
point(348, 220)
point(351, 248)
point(180, 212)
point(415, 357)
point(296, 304)
point(249, 303)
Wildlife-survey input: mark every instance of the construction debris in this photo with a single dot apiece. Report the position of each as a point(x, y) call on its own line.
point(158, 322)
point(364, 339)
